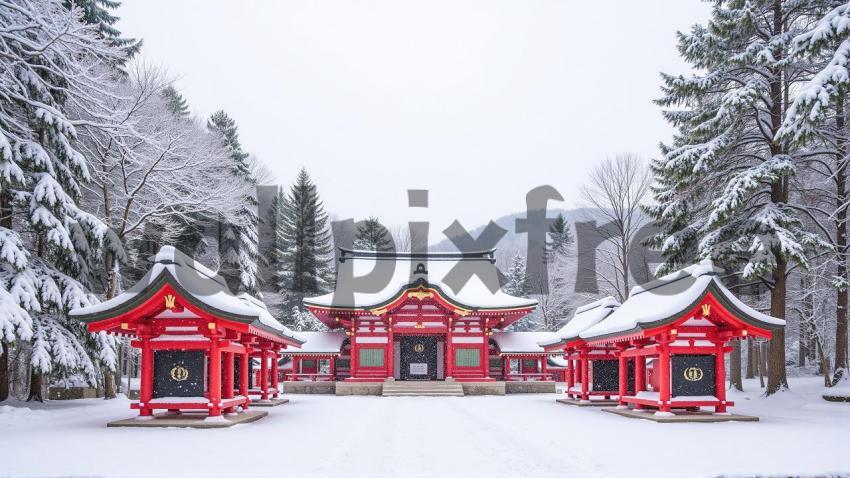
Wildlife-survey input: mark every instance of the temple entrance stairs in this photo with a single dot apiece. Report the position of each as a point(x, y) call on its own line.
point(422, 388)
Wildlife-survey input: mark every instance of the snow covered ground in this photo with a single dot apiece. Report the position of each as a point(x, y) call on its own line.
point(515, 435)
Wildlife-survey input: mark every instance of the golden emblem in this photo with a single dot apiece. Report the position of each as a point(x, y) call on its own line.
point(419, 348)
point(170, 301)
point(706, 310)
point(420, 294)
point(693, 374)
point(179, 373)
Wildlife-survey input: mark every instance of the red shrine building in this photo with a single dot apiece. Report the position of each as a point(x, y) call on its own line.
point(589, 371)
point(198, 341)
point(669, 342)
point(409, 316)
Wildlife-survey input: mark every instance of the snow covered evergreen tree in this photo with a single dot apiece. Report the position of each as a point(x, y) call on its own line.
point(304, 249)
point(175, 102)
point(817, 121)
point(97, 12)
point(516, 278)
point(371, 235)
point(727, 117)
point(560, 238)
point(51, 61)
point(304, 321)
point(238, 241)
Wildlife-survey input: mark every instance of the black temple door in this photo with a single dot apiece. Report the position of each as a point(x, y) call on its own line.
point(418, 359)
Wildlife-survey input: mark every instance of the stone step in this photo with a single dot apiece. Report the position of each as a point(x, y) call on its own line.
point(422, 388)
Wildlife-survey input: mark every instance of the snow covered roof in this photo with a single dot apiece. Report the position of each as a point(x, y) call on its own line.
point(521, 342)
point(204, 288)
point(557, 362)
point(585, 317)
point(369, 279)
point(666, 299)
point(318, 343)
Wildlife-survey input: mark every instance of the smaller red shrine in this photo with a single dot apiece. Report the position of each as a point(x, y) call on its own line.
point(591, 371)
point(197, 339)
point(683, 323)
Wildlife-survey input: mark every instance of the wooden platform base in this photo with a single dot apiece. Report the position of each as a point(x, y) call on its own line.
point(189, 420)
point(682, 417)
point(588, 403)
point(273, 402)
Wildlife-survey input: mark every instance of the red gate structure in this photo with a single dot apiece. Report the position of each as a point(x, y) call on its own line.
point(683, 321)
point(196, 337)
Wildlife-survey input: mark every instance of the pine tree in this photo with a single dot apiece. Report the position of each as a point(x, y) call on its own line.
point(516, 279)
point(175, 102)
point(97, 12)
point(49, 61)
point(305, 244)
point(560, 238)
point(304, 321)
point(371, 235)
point(238, 246)
point(817, 119)
point(727, 149)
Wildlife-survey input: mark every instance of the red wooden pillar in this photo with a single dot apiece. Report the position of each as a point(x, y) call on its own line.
point(640, 377)
point(390, 365)
point(333, 368)
point(243, 376)
point(264, 374)
point(570, 373)
point(355, 356)
point(228, 379)
point(296, 364)
point(146, 385)
point(623, 375)
point(485, 357)
point(664, 376)
point(215, 378)
point(450, 351)
point(585, 376)
point(720, 377)
point(544, 367)
point(275, 373)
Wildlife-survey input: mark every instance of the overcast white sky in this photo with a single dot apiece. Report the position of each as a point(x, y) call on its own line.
point(477, 101)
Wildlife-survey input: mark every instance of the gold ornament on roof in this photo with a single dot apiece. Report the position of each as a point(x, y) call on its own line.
point(706, 310)
point(420, 294)
point(170, 301)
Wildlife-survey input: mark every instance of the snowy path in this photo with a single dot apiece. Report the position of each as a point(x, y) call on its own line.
point(516, 435)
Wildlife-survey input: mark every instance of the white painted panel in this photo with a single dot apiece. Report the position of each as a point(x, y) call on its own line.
point(371, 340)
point(467, 340)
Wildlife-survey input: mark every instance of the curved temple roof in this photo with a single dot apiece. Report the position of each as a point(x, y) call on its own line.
point(319, 343)
point(203, 287)
point(584, 318)
point(521, 342)
point(368, 279)
point(666, 299)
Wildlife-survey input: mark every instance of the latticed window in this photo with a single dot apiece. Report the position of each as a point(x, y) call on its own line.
point(371, 357)
point(467, 358)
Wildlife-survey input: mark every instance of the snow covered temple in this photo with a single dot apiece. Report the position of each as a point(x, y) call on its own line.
point(197, 341)
point(407, 317)
point(664, 348)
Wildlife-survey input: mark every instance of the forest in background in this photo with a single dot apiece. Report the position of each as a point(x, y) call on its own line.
point(102, 162)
